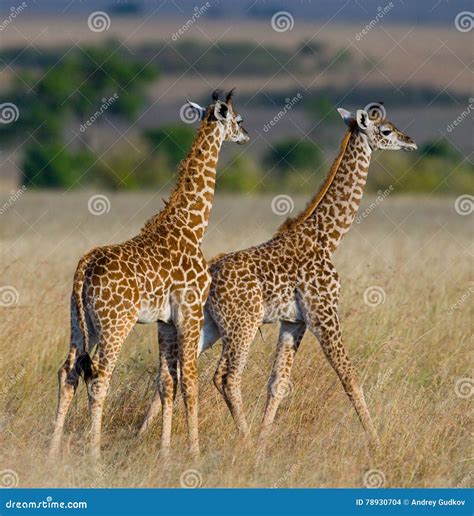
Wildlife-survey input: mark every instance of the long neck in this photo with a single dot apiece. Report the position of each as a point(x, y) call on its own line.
point(190, 203)
point(337, 209)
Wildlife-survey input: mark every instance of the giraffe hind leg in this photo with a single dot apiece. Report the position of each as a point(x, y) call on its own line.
point(228, 376)
point(68, 380)
point(279, 385)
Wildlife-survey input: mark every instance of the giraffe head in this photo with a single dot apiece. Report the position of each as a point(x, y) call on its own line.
point(380, 133)
point(223, 113)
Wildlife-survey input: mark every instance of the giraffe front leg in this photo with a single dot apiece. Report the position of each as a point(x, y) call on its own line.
point(167, 380)
point(279, 384)
point(104, 361)
point(189, 325)
point(322, 319)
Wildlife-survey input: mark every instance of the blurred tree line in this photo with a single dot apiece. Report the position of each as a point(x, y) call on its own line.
point(58, 97)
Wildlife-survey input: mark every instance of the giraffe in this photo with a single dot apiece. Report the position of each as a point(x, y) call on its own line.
point(160, 276)
point(291, 279)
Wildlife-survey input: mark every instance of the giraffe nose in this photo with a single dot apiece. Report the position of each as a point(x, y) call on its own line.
point(410, 143)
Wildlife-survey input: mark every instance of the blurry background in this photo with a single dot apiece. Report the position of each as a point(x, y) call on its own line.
point(91, 132)
point(125, 68)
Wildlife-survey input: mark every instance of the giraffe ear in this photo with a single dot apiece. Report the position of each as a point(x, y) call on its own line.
point(347, 116)
point(220, 111)
point(363, 119)
point(199, 109)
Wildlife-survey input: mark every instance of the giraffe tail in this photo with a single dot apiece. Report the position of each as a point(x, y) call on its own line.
point(83, 362)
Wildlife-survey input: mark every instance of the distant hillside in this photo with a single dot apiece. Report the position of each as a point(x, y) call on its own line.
point(419, 12)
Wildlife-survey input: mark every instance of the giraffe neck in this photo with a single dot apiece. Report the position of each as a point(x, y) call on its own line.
point(191, 200)
point(338, 207)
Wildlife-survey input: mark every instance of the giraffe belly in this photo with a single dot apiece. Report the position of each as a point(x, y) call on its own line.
point(287, 311)
point(209, 334)
point(149, 312)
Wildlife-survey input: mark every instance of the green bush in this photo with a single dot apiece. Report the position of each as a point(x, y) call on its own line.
point(291, 155)
point(173, 141)
point(55, 166)
point(241, 175)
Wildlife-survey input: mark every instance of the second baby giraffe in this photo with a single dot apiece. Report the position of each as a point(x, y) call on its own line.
point(291, 279)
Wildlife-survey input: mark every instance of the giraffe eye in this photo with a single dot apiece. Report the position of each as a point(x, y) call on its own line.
point(386, 132)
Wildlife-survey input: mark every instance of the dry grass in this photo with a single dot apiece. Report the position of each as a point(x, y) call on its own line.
point(410, 352)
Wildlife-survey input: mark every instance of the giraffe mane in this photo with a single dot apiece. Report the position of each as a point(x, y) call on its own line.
point(293, 222)
point(153, 224)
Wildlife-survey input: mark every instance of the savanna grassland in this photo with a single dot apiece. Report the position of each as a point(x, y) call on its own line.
point(409, 340)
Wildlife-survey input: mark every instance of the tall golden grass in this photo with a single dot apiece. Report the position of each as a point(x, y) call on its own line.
point(412, 353)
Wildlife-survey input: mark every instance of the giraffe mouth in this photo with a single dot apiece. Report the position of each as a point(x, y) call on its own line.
point(410, 147)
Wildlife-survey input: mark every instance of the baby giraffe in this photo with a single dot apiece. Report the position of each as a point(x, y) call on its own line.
point(160, 276)
point(291, 279)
